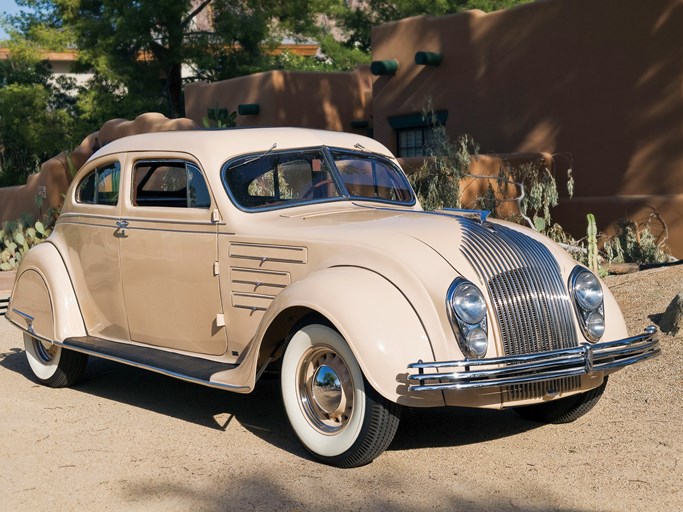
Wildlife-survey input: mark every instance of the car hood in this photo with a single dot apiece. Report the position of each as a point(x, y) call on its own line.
point(397, 231)
point(461, 240)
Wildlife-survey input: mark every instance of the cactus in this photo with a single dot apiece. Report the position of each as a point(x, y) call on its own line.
point(17, 237)
point(592, 240)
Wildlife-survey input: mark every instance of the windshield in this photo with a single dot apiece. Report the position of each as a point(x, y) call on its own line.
point(372, 177)
point(278, 179)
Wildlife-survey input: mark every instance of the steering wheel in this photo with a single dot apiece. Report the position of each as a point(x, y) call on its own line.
point(316, 186)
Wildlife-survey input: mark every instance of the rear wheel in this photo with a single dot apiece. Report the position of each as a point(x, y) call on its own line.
point(338, 417)
point(53, 365)
point(564, 410)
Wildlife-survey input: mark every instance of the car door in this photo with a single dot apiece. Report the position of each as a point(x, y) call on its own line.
point(89, 241)
point(168, 257)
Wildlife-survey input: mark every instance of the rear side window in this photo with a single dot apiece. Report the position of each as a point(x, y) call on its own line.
point(100, 186)
point(169, 185)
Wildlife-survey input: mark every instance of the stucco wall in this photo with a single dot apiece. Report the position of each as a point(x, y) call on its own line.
point(307, 99)
point(55, 175)
point(600, 79)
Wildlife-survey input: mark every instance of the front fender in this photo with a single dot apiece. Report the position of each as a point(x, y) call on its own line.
point(43, 300)
point(377, 321)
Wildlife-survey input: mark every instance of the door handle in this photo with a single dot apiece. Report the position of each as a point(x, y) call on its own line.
point(122, 224)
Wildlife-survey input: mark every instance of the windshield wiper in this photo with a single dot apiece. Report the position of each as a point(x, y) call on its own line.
point(255, 158)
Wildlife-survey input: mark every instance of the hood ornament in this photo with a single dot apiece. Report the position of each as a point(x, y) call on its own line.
point(479, 215)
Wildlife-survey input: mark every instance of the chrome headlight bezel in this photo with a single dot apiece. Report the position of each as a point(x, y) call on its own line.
point(468, 326)
point(587, 306)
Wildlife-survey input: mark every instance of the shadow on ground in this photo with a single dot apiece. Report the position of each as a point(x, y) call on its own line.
point(261, 492)
point(262, 412)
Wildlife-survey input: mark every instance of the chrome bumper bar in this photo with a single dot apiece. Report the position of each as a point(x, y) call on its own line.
point(538, 367)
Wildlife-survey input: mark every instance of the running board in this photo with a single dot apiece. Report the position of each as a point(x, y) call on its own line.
point(192, 369)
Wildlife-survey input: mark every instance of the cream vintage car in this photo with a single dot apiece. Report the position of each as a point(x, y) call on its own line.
point(212, 255)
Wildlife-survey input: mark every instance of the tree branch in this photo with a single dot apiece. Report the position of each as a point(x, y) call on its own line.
point(194, 13)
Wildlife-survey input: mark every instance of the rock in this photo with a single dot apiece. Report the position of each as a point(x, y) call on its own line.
point(623, 268)
point(673, 316)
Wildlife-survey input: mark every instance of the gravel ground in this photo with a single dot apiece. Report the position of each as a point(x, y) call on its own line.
point(126, 439)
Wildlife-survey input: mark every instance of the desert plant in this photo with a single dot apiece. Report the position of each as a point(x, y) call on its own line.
point(592, 241)
point(532, 185)
point(635, 243)
point(17, 237)
point(219, 118)
point(541, 192)
point(437, 181)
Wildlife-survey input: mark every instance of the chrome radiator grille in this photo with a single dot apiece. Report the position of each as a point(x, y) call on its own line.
point(524, 283)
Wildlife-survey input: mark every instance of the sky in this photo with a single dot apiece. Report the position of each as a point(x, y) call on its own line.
point(9, 7)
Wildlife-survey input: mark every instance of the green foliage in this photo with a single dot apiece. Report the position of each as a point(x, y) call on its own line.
point(30, 131)
point(334, 56)
point(35, 112)
point(17, 237)
point(635, 244)
point(437, 182)
point(23, 66)
point(540, 190)
point(220, 118)
point(41, 22)
point(137, 49)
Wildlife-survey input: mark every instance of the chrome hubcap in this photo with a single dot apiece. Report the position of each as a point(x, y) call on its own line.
point(325, 390)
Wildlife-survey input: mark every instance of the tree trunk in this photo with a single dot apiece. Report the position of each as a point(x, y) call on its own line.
point(174, 88)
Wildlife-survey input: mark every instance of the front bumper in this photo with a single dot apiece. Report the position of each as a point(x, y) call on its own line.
point(539, 367)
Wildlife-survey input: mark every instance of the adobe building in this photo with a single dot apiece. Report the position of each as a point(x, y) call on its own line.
point(597, 83)
point(333, 101)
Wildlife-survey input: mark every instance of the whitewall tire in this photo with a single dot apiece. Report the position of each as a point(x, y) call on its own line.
point(53, 365)
point(334, 412)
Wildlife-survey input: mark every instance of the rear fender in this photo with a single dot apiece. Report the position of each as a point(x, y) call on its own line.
point(43, 300)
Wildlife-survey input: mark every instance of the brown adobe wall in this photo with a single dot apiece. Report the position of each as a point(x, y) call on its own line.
point(329, 101)
point(55, 175)
point(600, 79)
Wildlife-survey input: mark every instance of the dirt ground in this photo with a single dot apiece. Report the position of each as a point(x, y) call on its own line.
point(126, 439)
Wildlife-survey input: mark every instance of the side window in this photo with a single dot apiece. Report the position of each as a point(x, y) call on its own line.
point(170, 185)
point(100, 186)
point(198, 194)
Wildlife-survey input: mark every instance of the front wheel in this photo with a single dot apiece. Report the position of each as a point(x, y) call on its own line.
point(563, 410)
point(53, 365)
point(338, 417)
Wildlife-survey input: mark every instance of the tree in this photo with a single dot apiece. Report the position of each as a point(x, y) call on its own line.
point(139, 49)
point(35, 120)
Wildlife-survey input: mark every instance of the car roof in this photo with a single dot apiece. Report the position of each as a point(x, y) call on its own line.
point(226, 143)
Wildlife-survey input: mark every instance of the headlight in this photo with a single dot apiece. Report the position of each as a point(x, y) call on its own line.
point(588, 291)
point(467, 312)
point(468, 303)
point(595, 324)
point(588, 302)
